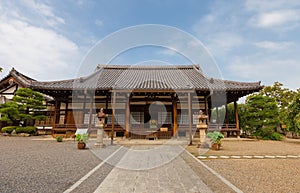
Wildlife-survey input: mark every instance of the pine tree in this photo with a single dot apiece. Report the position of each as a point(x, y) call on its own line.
point(294, 115)
point(26, 105)
point(261, 115)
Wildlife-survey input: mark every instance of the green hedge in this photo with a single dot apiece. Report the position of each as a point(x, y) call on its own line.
point(28, 129)
point(276, 136)
point(8, 129)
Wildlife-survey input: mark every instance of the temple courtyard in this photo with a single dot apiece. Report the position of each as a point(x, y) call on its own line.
point(40, 164)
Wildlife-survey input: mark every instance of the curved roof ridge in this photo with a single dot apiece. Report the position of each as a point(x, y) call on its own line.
point(23, 79)
point(238, 82)
point(141, 66)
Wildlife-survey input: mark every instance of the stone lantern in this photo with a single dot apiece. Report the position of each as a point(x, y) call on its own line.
point(100, 125)
point(202, 126)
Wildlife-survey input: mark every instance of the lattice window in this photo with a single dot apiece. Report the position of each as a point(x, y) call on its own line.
point(137, 117)
point(182, 119)
point(164, 117)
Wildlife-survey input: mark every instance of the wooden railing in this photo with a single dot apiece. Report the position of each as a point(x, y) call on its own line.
point(43, 129)
point(222, 127)
point(226, 129)
point(136, 132)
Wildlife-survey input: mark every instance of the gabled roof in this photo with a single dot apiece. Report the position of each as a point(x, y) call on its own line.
point(126, 77)
point(18, 78)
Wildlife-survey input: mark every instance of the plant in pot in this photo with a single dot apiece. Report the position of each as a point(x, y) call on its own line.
point(82, 140)
point(215, 138)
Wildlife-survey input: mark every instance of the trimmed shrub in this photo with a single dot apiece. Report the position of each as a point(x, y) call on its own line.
point(29, 129)
point(8, 129)
point(276, 136)
point(59, 138)
point(273, 136)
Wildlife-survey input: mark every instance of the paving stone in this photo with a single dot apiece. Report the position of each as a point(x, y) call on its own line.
point(281, 156)
point(258, 156)
point(235, 156)
point(224, 157)
point(270, 156)
point(292, 156)
point(174, 176)
point(247, 156)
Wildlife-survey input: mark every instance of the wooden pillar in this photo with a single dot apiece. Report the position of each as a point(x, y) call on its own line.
point(113, 118)
point(91, 112)
point(84, 110)
point(209, 106)
point(55, 115)
point(226, 114)
point(217, 114)
point(207, 109)
point(190, 118)
point(66, 110)
point(106, 102)
point(127, 116)
point(237, 118)
point(174, 105)
point(106, 106)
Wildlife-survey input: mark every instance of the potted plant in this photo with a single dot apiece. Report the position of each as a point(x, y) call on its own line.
point(82, 140)
point(215, 138)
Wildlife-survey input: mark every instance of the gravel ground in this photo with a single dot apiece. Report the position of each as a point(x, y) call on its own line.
point(258, 175)
point(38, 164)
point(207, 177)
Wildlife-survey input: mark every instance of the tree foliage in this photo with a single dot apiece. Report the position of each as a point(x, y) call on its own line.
point(261, 115)
point(272, 106)
point(26, 105)
point(293, 117)
point(282, 96)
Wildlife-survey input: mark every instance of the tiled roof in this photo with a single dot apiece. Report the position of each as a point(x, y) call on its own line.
point(127, 77)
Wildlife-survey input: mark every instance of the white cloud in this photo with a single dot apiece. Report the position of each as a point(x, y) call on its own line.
point(245, 53)
point(99, 23)
point(269, 70)
point(267, 5)
point(275, 18)
point(220, 44)
point(220, 28)
point(34, 50)
point(274, 45)
point(46, 12)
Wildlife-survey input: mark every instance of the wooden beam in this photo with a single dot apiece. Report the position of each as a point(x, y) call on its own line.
point(206, 107)
point(217, 114)
point(54, 116)
point(127, 117)
point(226, 113)
point(90, 113)
point(237, 118)
point(113, 118)
point(190, 118)
point(174, 104)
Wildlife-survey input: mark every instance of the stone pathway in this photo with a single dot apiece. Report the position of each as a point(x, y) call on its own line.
point(139, 171)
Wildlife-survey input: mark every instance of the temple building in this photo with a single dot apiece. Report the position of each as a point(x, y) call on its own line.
point(138, 99)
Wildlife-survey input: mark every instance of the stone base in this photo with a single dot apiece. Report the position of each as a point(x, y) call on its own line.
point(100, 145)
point(203, 145)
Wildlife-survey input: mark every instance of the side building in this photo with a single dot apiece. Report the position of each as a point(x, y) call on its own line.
point(138, 99)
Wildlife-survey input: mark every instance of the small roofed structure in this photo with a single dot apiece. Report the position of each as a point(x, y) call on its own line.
point(135, 97)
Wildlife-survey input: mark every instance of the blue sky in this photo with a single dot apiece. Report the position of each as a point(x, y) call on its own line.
point(250, 40)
